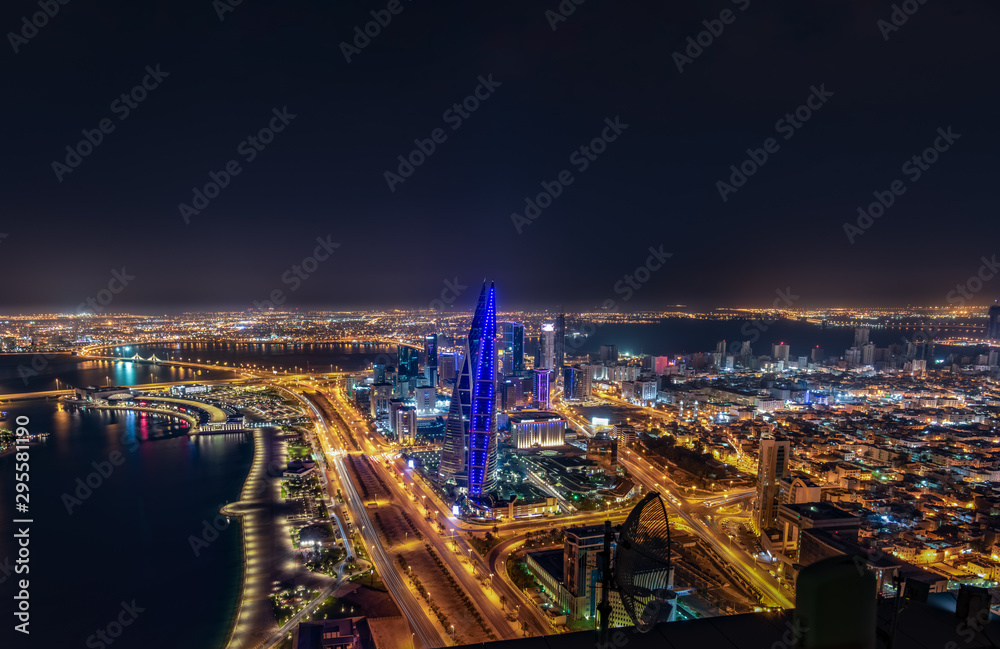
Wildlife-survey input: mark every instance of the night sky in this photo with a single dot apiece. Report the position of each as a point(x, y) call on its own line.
point(548, 92)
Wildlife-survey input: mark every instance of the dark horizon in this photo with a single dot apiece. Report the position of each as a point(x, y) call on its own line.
point(671, 118)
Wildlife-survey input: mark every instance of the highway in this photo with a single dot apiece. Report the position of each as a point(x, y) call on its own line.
point(486, 600)
point(407, 602)
point(653, 480)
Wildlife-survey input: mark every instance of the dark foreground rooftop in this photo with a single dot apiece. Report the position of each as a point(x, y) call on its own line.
point(930, 625)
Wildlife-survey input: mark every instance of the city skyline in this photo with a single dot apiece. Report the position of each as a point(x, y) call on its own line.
point(408, 325)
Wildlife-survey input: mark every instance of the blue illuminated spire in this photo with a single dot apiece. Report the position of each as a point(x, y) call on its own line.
point(468, 455)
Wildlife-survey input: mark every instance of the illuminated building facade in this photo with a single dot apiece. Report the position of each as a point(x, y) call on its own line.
point(774, 458)
point(513, 348)
point(431, 362)
point(549, 346)
point(560, 340)
point(993, 323)
point(469, 454)
point(541, 389)
point(576, 383)
point(537, 428)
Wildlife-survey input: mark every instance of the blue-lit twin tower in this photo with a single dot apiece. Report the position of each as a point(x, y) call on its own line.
point(469, 454)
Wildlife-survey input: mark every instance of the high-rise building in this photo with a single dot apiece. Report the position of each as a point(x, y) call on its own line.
point(853, 356)
point(623, 433)
point(993, 323)
point(426, 398)
point(431, 359)
point(541, 389)
point(609, 353)
point(560, 346)
point(817, 354)
point(447, 366)
point(779, 352)
point(378, 373)
point(406, 425)
point(582, 546)
point(469, 453)
point(409, 363)
point(510, 393)
point(576, 383)
point(772, 468)
point(549, 346)
point(381, 394)
point(868, 354)
point(513, 347)
point(861, 336)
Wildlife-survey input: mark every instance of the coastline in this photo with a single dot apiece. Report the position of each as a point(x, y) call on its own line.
point(250, 626)
point(13, 448)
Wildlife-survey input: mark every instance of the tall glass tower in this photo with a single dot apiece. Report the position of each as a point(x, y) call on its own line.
point(408, 361)
point(993, 323)
point(469, 454)
point(431, 362)
point(513, 348)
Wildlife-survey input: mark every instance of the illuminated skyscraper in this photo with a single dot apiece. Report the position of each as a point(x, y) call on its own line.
point(469, 454)
point(541, 389)
point(560, 346)
point(431, 362)
point(513, 348)
point(549, 346)
point(576, 383)
point(773, 466)
point(993, 324)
